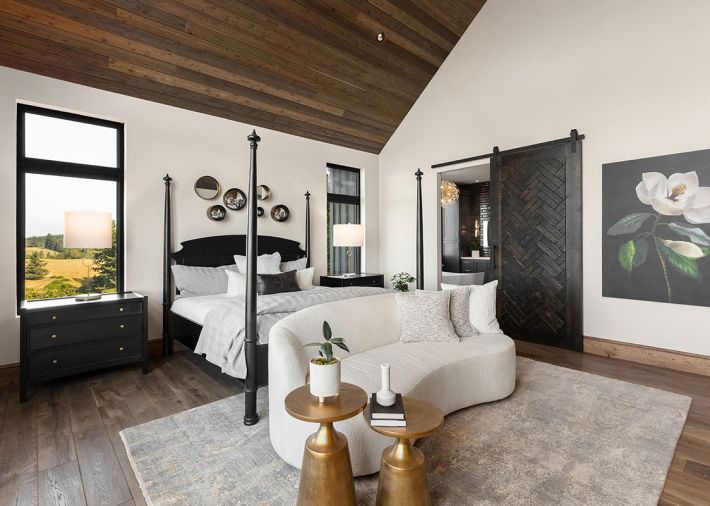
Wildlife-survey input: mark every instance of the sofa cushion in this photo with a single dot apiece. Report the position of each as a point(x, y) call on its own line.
point(425, 317)
point(459, 311)
point(482, 308)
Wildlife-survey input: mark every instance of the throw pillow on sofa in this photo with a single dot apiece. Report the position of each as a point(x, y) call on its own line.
point(482, 308)
point(459, 309)
point(425, 317)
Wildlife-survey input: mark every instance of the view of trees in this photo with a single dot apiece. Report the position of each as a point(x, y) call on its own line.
point(54, 271)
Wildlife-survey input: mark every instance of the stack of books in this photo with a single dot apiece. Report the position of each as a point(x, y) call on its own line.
point(387, 416)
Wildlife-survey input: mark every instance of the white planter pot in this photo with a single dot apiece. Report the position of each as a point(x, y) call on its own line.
point(325, 380)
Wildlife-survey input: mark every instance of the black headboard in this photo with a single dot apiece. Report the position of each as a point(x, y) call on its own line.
point(217, 250)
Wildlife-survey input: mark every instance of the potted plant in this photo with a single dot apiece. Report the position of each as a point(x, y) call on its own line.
point(401, 281)
point(325, 369)
point(475, 248)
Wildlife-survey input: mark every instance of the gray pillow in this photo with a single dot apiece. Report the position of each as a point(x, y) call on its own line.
point(424, 316)
point(267, 284)
point(195, 280)
point(294, 265)
point(459, 312)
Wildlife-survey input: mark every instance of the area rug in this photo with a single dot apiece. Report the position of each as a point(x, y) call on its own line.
point(563, 437)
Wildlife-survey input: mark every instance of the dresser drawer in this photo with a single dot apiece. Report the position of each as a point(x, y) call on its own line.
point(83, 313)
point(63, 361)
point(58, 335)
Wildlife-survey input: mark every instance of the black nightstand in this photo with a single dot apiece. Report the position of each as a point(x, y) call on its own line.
point(361, 279)
point(59, 337)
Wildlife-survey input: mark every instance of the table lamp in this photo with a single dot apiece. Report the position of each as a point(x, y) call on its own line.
point(348, 236)
point(87, 229)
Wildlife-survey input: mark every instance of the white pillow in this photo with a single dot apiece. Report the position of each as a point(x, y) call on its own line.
point(195, 280)
point(482, 308)
point(304, 278)
point(236, 284)
point(425, 316)
point(265, 264)
point(294, 265)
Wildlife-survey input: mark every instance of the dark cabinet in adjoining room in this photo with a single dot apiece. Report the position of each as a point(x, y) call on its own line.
point(462, 228)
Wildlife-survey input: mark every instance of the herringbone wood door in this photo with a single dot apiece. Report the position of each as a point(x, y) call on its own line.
point(537, 227)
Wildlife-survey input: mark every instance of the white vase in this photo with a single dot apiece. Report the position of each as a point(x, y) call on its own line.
point(325, 380)
point(385, 397)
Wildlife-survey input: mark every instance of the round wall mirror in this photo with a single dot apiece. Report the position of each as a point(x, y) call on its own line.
point(216, 213)
point(235, 199)
point(280, 213)
point(263, 192)
point(207, 187)
point(260, 211)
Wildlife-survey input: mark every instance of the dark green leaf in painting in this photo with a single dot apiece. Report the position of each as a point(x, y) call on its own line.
point(641, 247)
point(695, 234)
point(629, 224)
point(626, 255)
point(684, 265)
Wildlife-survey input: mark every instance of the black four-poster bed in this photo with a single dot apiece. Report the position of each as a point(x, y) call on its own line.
point(214, 251)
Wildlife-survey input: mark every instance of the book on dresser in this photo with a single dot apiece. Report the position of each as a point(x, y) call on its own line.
point(387, 416)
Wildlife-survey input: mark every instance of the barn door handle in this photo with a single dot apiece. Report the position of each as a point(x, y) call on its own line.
point(493, 257)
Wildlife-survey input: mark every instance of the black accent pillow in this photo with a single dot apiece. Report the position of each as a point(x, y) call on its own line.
point(267, 284)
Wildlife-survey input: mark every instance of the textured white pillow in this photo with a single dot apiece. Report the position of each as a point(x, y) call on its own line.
point(265, 264)
point(482, 308)
point(424, 316)
point(294, 265)
point(304, 278)
point(458, 308)
point(195, 280)
point(236, 284)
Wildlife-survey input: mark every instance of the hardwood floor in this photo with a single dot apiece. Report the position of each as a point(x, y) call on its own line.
point(62, 447)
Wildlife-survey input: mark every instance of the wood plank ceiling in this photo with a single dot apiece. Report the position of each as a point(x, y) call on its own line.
point(312, 68)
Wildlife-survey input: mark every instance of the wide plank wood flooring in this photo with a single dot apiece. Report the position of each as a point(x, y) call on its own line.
point(62, 447)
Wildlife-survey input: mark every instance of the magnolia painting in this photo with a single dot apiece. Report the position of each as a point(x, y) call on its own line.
point(656, 224)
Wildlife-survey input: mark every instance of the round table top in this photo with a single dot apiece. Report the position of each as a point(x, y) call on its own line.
point(423, 418)
point(302, 405)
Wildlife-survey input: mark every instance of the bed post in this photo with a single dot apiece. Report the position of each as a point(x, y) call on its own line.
point(250, 340)
point(167, 285)
point(308, 228)
point(420, 233)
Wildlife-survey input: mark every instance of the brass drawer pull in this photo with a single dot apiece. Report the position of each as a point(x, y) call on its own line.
point(54, 336)
point(54, 317)
point(55, 361)
point(123, 326)
point(120, 309)
point(120, 349)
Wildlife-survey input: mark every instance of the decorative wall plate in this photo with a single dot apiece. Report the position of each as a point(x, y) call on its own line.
point(216, 213)
point(260, 211)
point(207, 187)
point(263, 192)
point(280, 213)
point(234, 199)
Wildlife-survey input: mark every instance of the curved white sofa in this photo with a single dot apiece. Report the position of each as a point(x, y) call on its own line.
point(451, 375)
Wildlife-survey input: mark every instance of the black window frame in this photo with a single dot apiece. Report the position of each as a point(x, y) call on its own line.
point(27, 165)
point(338, 198)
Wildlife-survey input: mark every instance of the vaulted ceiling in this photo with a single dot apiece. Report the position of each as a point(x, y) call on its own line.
point(312, 68)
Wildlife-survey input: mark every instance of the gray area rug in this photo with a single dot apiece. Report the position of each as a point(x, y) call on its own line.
point(563, 437)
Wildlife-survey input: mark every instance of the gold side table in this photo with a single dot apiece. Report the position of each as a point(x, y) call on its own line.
point(403, 479)
point(326, 472)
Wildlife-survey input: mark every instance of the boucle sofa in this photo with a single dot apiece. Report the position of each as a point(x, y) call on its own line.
point(451, 375)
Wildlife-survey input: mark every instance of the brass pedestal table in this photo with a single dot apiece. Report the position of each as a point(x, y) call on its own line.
point(403, 479)
point(326, 472)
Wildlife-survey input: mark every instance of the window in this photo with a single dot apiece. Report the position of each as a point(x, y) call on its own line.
point(343, 207)
point(67, 162)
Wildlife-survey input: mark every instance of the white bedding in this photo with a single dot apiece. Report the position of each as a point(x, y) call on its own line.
point(196, 308)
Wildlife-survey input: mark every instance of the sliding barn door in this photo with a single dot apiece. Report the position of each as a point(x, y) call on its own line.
point(537, 238)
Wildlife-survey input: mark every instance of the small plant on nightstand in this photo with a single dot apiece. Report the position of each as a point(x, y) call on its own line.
point(401, 281)
point(325, 369)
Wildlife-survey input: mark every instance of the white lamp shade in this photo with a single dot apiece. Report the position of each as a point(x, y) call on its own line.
point(87, 229)
point(348, 235)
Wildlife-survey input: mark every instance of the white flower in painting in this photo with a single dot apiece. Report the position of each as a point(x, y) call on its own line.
point(680, 194)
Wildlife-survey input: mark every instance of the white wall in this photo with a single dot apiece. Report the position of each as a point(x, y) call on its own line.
point(630, 75)
point(162, 139)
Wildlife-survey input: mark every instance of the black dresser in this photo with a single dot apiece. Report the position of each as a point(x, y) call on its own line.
point(59, 337)
point(357, 280)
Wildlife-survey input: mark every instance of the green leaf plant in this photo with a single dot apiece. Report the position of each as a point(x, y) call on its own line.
point(401, 281)
point(325, 348)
